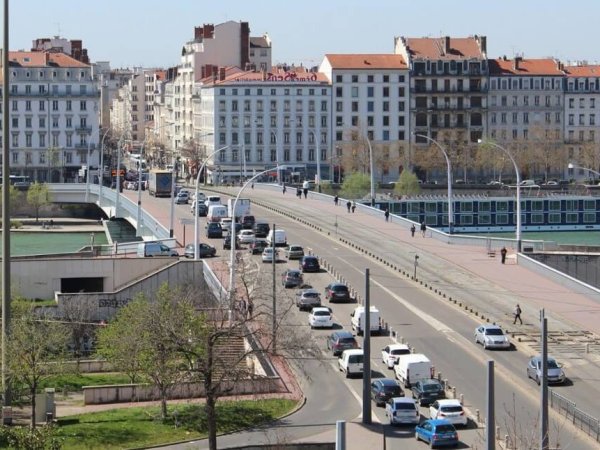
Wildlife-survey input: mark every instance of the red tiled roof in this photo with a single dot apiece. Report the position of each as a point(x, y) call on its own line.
point(433, 48)
point(292, 75)
point(582, 71)
point(43, 59)
point(547, 66)
point(366, 61)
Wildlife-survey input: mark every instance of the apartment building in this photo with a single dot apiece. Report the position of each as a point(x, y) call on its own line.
point(54, 116)
point(370, 108)
point(263, 120)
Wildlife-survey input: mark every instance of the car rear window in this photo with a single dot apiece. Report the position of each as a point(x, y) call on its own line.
point(322, 313)
point(348, 340)
point(405, 406)
point(340, 288)
point(401, 351)
point(444, 428)
point(451, 409)
point(431, 387)
point(311, 294)
point(391, 389)
point(355, 359)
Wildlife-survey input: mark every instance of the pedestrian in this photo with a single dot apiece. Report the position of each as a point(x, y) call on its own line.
point(412, 230)
point(299, 193)
point(348, 205)
point(517, 314)
point(284, 189)
point(305, 192)
point(387, 214)
point(353, 206)
point(503, 253)
point(335, 200)
point(252, 185)
point(423, 228)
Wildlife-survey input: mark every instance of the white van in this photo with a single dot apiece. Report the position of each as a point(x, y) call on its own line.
point(216, 213)
point(213, 200)
point(149, 249)
point(412, 368)
point(358, 320)
point(279, 236)
point(351, 362)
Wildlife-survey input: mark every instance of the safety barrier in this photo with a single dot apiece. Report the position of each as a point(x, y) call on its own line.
point(577, 417)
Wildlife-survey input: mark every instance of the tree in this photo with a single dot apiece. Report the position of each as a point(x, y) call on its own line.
point(408, 184)
point(36, 350)
point(356, 185)
point(14, 196)
point(38, 195)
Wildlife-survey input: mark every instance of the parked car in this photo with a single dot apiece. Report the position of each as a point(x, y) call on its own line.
point(427, 391)
point(556, 375)
point(351, 362)
point(341, 340)
point(309, 264)
point(268, 255)
point(449, 409)
point(491, 336)
point(182, 198)
point(382, 389)
point(291, 278)
point(204, 250)
point(400, 410)
point(246, 236)
point(261, 229)
point(391, 353)
point(438, 432)
point(337, 292)
point(257, 246)
point(320, 317)
point(201, 196)
point(294, 252)
point(306, 299)
point(202, 208)
point(214, 230)
point(227, 243)
point(247, 222)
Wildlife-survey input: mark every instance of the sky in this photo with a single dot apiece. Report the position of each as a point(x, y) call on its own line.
point(151, 33)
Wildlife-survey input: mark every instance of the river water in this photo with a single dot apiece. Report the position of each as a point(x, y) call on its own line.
point(41, 243)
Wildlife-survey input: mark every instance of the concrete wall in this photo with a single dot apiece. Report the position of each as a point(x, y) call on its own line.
point(583, 267)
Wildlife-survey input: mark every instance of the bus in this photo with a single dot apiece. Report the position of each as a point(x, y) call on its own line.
point(20, 182)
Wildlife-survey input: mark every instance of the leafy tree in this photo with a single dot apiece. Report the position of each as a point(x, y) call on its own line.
point(408, 184)
point(40, 438)
point(38, 195)
point(356, 185)
point(14, 196)
point(36, 350)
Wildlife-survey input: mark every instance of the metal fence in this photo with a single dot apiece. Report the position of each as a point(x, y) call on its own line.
point(580, 419)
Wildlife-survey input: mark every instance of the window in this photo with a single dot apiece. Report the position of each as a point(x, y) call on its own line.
point(42, 139)
point(299, 155)
point(299, 138)
point(386, 91)
point(401, 92)
point(354, 106)
point(323, 105)
point(83, 105)
point(370, 91)
point(234, 105)
point(15, 122)
point(339, 78)
point(354, 91)
point(355, 78)
point(339, 92)
point(386, 106)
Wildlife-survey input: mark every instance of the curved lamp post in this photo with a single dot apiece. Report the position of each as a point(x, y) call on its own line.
point(372, 173)
point(318, 160)
point(87, 172)
point(276, 156)
point(102, 165)
point(449, 169)
point(575, 166)
point(518, 230)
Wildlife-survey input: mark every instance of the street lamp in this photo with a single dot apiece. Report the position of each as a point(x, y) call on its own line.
point(87, 177)
point(449, 167)
point(575, 166)
point(518, 230)
point(318, 160)
point(102, 165)
point(372, 173)
point(196, 252)
point(276, 156)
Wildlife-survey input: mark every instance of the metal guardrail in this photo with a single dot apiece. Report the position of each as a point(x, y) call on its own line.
point(578, 418)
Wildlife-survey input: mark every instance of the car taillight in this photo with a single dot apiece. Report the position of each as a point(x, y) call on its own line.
point(462, 413)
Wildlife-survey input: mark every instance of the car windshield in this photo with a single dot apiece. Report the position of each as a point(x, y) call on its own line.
point(321, 313)
point(451, 408)
point(431, 387)
point(552, 364)
point(494, 332)
point(444, 428)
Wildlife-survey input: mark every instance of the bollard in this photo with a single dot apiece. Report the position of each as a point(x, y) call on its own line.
point(439, 376)
point(477, 417)
point(506, 441)
point(587, 347)
point(454, 392)
point(461, 399)
point(445, 384)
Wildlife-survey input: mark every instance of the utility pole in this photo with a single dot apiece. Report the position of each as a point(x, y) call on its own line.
point(490, 420)
point(366, 397)
point(274, 324)
point(544, 442)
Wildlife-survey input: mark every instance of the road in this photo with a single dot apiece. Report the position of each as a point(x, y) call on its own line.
point(434, 327)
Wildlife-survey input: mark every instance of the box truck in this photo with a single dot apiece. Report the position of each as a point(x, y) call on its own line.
point(242, 208)
point(160, 183)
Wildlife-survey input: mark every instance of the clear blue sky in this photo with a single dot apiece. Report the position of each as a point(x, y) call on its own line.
point(150, 33)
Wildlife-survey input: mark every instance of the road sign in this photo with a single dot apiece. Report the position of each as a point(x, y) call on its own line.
point(186, 221)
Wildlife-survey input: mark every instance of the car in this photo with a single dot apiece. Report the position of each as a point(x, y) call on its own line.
point(291, 278)
point(214, 230)
point(294, 252)
point(341, 340)
point(402, 410)
point(556, 374)
point(382, 389)
point(226, 226)
point(351, 362)
point(427, 391)
point(449, 409)
point(257, 246)
point(337, 292)
point(227, 243)
point(309, 264)
point(261, 229)
point(246, 236)
point(247, 222)
point(320, 317)
point(182, 198)
point(270, 255)
point(551, 183)
point(391, 353)
point(202, 209)
point(491, 336)
point(212, 200)
point(201, 197)
point(306, 299)
point(437, 433)
point(204, 250)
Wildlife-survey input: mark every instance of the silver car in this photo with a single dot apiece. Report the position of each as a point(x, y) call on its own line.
point(491, 336)
point(307, 299)
point(556, 375)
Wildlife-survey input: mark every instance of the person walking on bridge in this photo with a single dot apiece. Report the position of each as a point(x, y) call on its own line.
point(517, 314)
point(349, 205)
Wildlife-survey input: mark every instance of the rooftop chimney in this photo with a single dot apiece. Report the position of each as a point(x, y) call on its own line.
point(516, 62)
point(221, 73)
point(446, 45)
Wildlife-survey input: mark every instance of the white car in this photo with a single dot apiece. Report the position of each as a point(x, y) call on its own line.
point(320, 318)
point(491, 336)
point(268, 254)
point(449, 409)
point(400, 410)
point(246, 236)
point(201, 196)
point(391, 353)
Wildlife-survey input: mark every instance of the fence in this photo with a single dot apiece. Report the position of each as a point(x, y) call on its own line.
point(583, 421)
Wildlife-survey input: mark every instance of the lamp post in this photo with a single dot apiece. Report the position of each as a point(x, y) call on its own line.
point(575, 166)
point(276, 156)
point(449, 168)
point(518, 230)
point(87, 174)
point(196, 252)
point(102, 166)
point(372, 173)
point(118, 182)
point(318, 160)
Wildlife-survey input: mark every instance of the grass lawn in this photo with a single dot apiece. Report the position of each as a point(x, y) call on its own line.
point(75, 382)
point(137, 427)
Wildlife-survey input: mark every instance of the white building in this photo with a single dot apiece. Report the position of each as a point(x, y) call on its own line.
point(369, 100)
point(54, 116)
point(265, 119)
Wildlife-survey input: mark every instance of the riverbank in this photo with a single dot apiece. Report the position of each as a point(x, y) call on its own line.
point(61, 225)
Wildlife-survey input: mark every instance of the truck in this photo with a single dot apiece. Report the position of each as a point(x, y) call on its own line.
point(160, 183)
point(358, 320)
point(242, 208)
point(412, 368)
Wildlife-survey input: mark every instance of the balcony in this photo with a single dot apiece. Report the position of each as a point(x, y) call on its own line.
point(83, 129)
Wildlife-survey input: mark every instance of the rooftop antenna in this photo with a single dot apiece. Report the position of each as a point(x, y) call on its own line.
point(58, 27)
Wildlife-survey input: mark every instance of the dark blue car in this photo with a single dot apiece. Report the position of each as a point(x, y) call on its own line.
point(437, 433)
